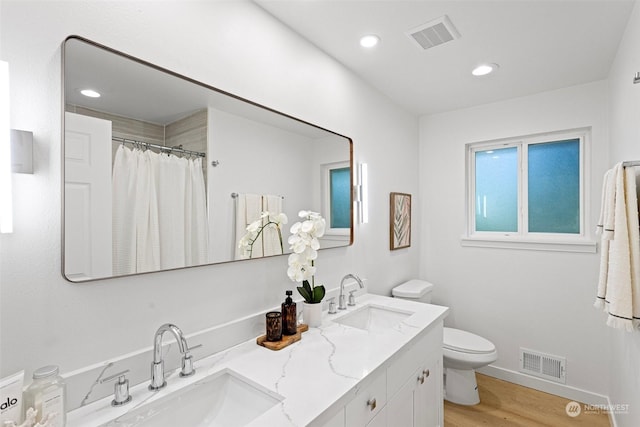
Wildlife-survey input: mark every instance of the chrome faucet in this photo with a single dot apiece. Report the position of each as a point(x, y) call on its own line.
point(157, 366)
point(341, 303)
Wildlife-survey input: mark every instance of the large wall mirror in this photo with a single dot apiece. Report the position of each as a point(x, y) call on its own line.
point(163, 172)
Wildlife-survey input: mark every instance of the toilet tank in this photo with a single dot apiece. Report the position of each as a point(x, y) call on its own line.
point(415, 290)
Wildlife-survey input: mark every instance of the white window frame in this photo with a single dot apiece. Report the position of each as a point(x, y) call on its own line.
point(337, 234)
point(523, 239)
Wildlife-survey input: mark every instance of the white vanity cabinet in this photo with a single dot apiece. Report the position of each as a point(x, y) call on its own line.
point(419, 401)
point(415, 384)
point(427, 398)
point(406, 393)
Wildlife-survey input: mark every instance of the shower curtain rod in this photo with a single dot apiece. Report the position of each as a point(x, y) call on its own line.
point(163, 148)
point(235, 196)
point(631, 163)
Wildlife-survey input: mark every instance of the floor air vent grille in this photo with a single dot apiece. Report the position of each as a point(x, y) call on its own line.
point(543, 365)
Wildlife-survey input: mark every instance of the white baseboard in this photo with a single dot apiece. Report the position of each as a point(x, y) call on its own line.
point(546, 386)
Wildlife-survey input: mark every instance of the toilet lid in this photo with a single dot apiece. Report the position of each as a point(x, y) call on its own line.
point(466, 342)
point(412, 289)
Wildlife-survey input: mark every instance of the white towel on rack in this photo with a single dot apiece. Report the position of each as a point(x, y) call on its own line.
point(607, 208)
point(605, 222)
point(248, 210)
point(271, 237)
point(619, 283)
point(633, 219)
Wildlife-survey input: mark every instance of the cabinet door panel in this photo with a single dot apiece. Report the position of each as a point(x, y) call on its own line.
point(428, 396)
point(427, 346)
point(401, 407)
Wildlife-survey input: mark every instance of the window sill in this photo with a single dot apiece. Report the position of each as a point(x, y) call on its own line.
point(582, 246)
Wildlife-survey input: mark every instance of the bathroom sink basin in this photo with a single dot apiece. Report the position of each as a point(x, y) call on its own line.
point(373, 317)
point(223, 399)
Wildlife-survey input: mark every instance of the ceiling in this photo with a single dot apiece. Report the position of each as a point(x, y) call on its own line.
point(539, 45)
point(133, 89)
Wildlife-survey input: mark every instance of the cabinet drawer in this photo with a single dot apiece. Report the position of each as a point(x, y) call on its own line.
point(428, 347)
point(368, 402)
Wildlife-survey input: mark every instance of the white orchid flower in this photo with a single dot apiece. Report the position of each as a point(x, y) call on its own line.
point(299, 246)
point(254, 226)
point(245, 244)
point(304, 245)
point(320, 227)
point(295, 274)
point(295, 228)
point(307, 226)
point(314, 244)
point(309, 254)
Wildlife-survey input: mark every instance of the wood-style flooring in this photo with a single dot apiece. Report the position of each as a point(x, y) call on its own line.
point(511, 405)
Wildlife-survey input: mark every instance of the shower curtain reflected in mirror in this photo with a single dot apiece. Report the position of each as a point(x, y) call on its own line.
point(159, 212)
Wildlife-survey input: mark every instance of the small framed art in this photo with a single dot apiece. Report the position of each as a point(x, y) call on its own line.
point(400, 221)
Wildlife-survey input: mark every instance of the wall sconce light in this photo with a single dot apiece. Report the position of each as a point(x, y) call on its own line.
point(6, 199)
point(21, 151)
point(361, 193)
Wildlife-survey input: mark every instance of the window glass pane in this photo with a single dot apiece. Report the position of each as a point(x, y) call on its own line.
point(554, 187)
point(496, 198)
point(340, 197)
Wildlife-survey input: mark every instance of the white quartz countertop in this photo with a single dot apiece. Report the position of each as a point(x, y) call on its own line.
point(320, 372)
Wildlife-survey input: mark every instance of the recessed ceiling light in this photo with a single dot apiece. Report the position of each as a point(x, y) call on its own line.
point(90, 93)
point(369, 40)
point(484, 69)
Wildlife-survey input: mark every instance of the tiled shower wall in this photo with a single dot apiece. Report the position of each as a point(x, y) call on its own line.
point(191, 133)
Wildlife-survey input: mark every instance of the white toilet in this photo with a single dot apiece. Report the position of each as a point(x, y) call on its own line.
point(463, 352)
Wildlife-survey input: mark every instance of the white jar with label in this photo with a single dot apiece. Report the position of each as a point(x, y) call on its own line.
point(47, 395)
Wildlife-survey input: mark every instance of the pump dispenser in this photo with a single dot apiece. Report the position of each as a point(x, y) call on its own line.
point(289, 316)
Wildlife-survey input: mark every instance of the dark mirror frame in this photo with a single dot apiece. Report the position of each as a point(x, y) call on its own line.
point(202, 85)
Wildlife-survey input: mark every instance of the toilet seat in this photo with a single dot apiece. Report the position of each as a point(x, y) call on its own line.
point(463, 350)
point(466, 342)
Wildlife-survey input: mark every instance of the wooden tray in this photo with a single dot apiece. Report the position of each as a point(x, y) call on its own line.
point(285, 341)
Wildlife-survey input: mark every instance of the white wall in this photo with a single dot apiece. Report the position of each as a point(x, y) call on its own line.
point(515, 298)
point(624, 113)
point(231, 45)
point(254, 158)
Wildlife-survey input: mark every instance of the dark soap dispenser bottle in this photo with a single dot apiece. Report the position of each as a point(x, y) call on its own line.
point(289, 316)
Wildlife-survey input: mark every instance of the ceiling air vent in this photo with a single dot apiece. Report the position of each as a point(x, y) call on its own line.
point(433, 33)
